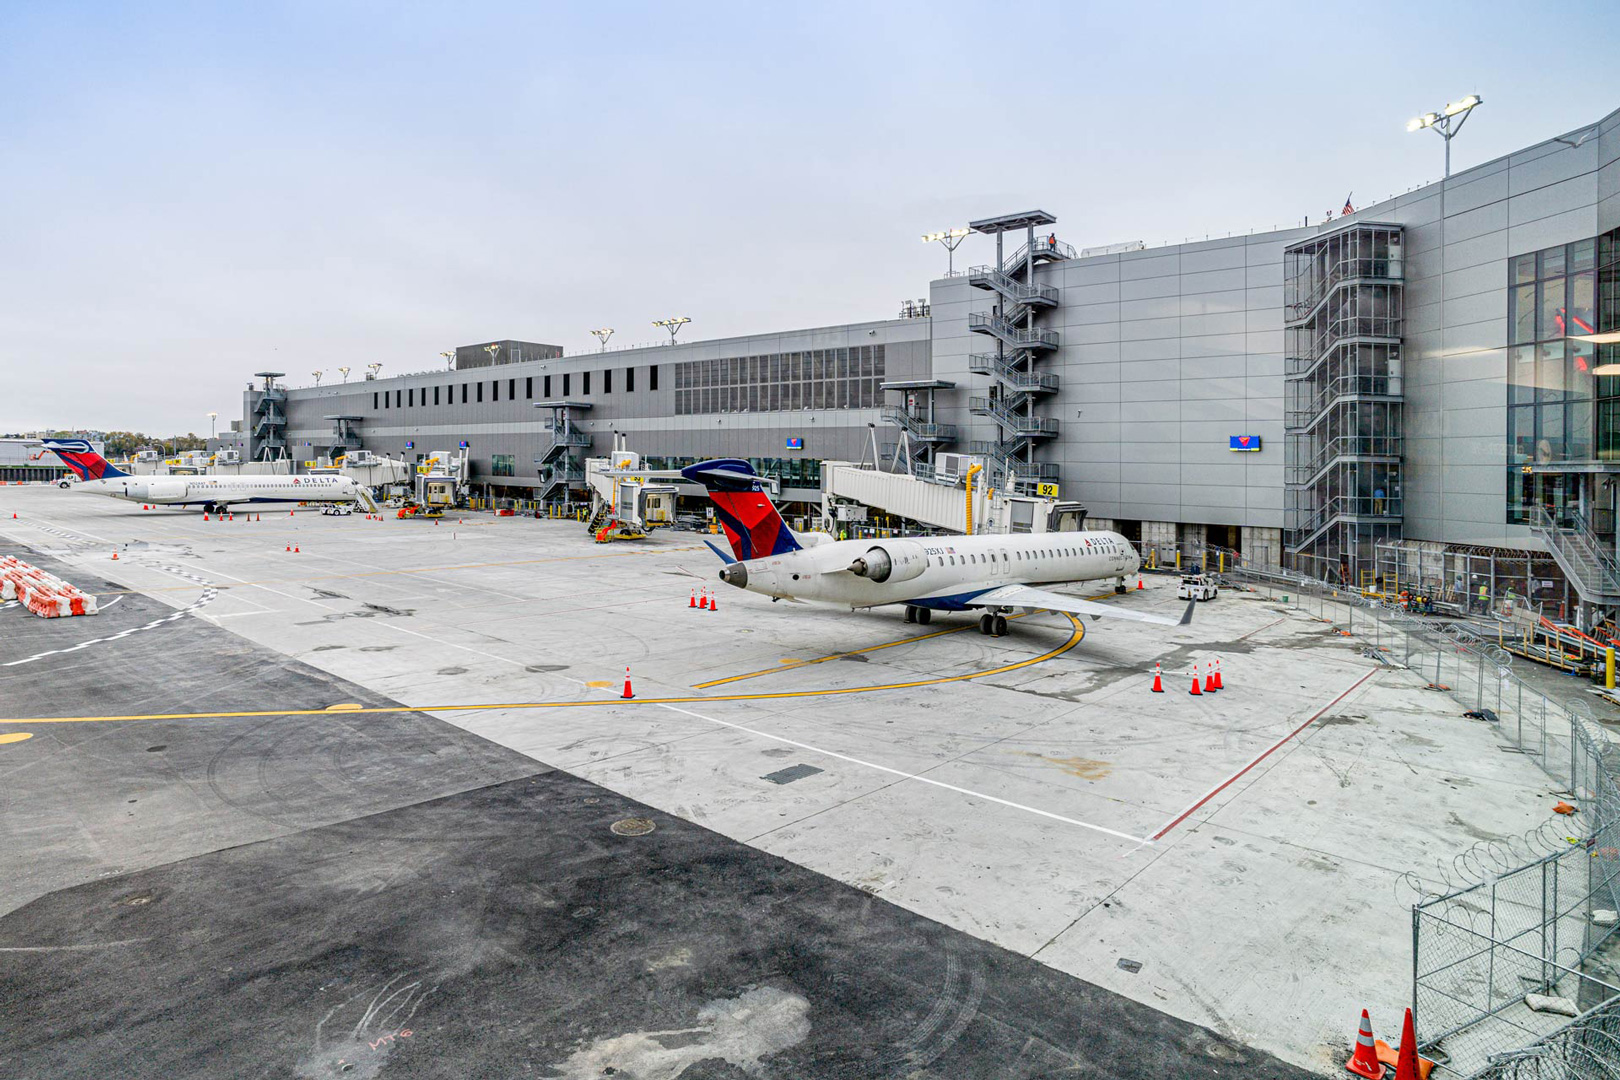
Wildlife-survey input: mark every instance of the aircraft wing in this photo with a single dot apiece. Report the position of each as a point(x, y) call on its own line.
point(1040, 599)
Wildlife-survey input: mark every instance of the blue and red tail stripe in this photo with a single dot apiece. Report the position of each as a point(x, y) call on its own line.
point(81, 457)
point(751, 524)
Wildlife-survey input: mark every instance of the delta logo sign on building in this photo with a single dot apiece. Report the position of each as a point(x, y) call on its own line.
point(1243, 443)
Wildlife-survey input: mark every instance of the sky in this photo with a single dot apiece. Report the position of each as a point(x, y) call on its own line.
point(190, 193)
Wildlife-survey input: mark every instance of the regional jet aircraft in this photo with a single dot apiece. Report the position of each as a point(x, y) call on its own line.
point(214, 493)
point(992, 574)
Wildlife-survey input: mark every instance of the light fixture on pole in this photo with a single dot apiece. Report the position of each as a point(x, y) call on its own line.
point(372, 369)
point(317, 375)
point(951, 238)
point(344, 372)
point(449, 360)
point(602, 335)
point(492, 350)
point(211, 418)
point(672, 325)
point(1447, 122)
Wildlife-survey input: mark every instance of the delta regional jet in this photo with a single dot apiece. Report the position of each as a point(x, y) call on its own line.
point(214, 493)
point(991, 574)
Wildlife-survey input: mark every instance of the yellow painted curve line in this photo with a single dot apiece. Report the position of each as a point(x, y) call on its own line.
point(1076, 635)
point(852, 652)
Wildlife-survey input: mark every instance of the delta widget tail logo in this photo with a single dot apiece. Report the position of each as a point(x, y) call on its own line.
point(752, 525)
point(81, 457)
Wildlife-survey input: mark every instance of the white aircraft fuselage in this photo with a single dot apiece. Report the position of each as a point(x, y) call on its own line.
point(223, 491)
point(944, 573)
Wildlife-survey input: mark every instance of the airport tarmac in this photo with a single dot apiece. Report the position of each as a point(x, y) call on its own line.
point(295, 804)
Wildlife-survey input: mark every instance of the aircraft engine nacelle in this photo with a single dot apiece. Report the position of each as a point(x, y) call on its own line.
point(893, 560)
point(156, 490)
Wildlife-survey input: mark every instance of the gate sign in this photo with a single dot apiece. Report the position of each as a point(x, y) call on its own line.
point(1247, 443)
point(1046, 491)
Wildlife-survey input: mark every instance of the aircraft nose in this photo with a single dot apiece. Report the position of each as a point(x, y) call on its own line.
point(735, 574)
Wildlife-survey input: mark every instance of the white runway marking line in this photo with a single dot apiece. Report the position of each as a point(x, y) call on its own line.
point(1137, 840)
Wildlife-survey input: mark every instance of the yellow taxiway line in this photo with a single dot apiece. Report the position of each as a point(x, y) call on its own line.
point(1076, 635)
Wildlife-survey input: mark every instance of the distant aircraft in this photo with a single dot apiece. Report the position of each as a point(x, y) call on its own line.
point(215, 494)
point(992, 574)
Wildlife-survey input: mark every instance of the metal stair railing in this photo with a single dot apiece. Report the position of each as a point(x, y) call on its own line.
point(1344, 272)
point(1044, 249)
point(1338, 508)
point(1341, 386)
point(1341, 447)
point(1026, 381)
point(1016, 336)
point(919, 429)
point(1579, 554)
point(1012, 421)
point(1013, 289)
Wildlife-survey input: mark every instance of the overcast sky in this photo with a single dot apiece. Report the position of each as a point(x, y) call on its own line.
point(195, 192)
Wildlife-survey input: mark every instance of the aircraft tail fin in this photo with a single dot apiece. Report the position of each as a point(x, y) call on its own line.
point(751, 523)
point(81, 457)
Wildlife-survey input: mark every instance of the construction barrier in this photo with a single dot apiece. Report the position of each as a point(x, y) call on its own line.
point(44, 594)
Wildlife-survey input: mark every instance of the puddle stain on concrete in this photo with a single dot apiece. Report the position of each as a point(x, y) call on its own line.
point(741, 1031)
point(1084, 768)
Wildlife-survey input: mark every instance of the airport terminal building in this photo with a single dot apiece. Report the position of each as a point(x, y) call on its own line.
point(1431, 368)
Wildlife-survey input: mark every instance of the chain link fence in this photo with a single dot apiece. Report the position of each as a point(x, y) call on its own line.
point(1533, 914)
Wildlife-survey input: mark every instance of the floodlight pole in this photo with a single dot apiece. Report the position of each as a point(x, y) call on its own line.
point(602, 335)
point(951, 239)
point(672, 325)
point(1448, 122)
point(317, 375)
point(449, 360)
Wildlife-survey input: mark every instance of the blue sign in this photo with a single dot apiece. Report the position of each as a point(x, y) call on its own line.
point(1245, 443)
point(464, 444)
point(409, 445)
point(795, 444)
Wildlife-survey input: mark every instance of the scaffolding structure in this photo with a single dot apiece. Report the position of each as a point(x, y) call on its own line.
point(1017, 389)
point(1343, 396)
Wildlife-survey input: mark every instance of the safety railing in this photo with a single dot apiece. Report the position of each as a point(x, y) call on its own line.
point(917, 428)
point(1018, 423)
point(1579, 554)
point(1017, 378)
point(1016, 336)
point(1010, 287)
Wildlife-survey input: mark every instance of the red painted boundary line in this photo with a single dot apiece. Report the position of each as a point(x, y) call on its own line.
point(1224, 784)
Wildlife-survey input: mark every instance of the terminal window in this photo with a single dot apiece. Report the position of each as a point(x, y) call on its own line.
point(410, 397)
point(494, 389)
point(374, 401)
point(464, 393)
point(607, 381)
point(503, 465)
point(629, 380)
point(652, 376)
point(511, 389)
point(435, 395)
point(545, 387)
point(528, 388)
point(479, 393)
point(846, 378)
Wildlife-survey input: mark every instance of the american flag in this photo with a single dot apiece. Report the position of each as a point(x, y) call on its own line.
point(1348, 209)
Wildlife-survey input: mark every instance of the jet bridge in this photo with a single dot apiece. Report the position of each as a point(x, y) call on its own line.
point(947, 506)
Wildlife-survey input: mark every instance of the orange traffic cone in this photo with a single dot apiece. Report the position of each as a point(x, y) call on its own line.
point(1406, 1057)
point(1209, 677)
point(205, 517)
point(1138, 584)
point(703, 601)
point(1158, 680)
point(233, 517)
point(289, 549)
point(1364, 1062)
point(258, 517)
point(1218, 684)
point(692, 600)
point(627, 695)
point(289, 513)
point(1195, 692)
point(714, 603)
point(115, 556)
point(295, 550)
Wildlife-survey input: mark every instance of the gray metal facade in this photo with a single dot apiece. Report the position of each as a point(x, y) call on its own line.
point(1165, 354)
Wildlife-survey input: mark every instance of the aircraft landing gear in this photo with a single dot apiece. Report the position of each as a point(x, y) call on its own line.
point(915, 614)
point(1119, 585)
point(993, 625)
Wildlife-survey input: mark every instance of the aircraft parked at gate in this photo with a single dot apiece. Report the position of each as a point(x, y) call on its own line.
point(214, 493)
point(992, 574)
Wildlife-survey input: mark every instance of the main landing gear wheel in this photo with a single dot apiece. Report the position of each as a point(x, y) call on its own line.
point(1000, 629)
point(917, 614)
point(993, 625)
